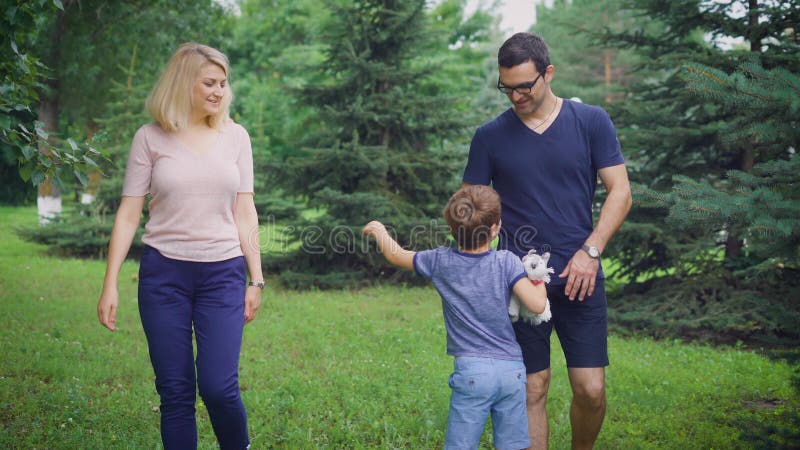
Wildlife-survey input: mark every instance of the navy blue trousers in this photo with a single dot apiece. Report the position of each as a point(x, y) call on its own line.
point(175, 298)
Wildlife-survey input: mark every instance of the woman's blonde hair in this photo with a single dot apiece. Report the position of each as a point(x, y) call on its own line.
point(170, 102)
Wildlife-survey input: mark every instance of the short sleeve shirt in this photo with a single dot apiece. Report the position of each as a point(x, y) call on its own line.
point(547, 181)
point(192, 195)
point(475, 291)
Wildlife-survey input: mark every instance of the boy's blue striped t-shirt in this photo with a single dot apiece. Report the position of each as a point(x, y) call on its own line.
point(475, 291)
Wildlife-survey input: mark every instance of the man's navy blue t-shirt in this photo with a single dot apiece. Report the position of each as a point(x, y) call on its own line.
point(546, 182)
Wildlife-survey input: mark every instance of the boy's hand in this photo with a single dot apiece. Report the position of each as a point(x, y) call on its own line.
point(390, 249)
point(373, 228)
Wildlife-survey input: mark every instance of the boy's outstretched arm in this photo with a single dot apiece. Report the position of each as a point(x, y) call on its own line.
point(533, 296)
point(396, 255)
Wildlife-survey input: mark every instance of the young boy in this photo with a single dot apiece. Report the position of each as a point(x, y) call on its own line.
point(475, 283)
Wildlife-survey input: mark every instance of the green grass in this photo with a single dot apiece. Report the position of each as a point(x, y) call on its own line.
point(343, 369)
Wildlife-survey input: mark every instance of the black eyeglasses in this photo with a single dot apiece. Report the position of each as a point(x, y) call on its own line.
point(524, 88)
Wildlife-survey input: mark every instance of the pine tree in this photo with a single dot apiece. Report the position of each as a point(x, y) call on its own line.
point(379, 149)
point(586, 68)
point(761, 207)
point(272, 45)
point(710, 142)
point(666, 128)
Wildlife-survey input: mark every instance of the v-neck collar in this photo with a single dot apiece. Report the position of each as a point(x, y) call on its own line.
point(183, 146)
point(536, 133)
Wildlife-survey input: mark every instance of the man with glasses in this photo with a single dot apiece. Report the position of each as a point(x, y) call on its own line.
point(543, 156)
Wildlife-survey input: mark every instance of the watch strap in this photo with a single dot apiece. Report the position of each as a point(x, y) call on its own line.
point(588, 249)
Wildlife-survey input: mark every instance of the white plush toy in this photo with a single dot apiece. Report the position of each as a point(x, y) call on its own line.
point(537, 270)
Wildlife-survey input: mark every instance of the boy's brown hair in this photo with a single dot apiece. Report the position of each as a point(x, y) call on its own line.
point(470, 213)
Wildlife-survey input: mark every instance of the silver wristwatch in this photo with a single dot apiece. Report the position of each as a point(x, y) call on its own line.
point(591, 250)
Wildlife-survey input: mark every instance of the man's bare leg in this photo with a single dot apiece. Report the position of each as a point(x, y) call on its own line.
point(588, 405)
point(537, 386)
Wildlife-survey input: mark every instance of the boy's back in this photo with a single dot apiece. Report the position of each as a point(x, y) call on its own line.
point(475, 291)
point(475, 284)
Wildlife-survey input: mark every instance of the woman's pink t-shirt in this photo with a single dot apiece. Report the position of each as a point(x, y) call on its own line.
point(192, 195)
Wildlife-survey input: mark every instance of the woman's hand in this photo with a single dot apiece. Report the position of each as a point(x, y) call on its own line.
point(107, 308)
point(252, 301)
point(126, 222)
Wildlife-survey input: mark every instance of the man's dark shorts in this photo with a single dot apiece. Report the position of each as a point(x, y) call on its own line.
point(582, 329)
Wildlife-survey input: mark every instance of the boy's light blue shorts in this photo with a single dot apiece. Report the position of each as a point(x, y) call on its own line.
point(482, 386)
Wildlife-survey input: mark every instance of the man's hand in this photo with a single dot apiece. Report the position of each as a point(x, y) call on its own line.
point(581, 273)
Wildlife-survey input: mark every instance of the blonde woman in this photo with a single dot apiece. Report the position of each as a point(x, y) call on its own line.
point(197, 166)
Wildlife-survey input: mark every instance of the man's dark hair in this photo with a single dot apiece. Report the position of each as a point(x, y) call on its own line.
point(524, 47)
point(470, 213)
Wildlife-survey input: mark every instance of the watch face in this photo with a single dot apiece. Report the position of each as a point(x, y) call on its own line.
point(592, 251)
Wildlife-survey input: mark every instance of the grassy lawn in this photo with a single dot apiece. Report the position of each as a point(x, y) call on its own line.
point(343, 369)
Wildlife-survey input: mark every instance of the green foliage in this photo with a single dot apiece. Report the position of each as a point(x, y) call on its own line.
point(709, 135)
point(371, 372)
point(467, 66)
point(761, 207)
point(37, 166)
point(80, 236)
point(711, 306)
point(116, 109)
point(13, 190)
point(272, 46)
point(708, 296)
point(24, 142)
point(587, 68)
point(664, 126)
point(88, 44)
point(84, 229)
point(762, 93)
point(382, 146)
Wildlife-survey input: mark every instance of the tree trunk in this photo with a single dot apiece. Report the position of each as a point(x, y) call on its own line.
point(747, 157)
point(607, 64)
point(48, 200)
point(607, 61)
point(754, 33)
point(89, 192)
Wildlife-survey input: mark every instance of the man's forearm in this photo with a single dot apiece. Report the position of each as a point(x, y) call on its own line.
point(612, 215)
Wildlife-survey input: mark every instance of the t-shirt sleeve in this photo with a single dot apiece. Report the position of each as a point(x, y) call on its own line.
point(245, 163)
point(605, 146)
point(424, 262)
point(139, 167)
point(479, 164)
point(515, 271)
